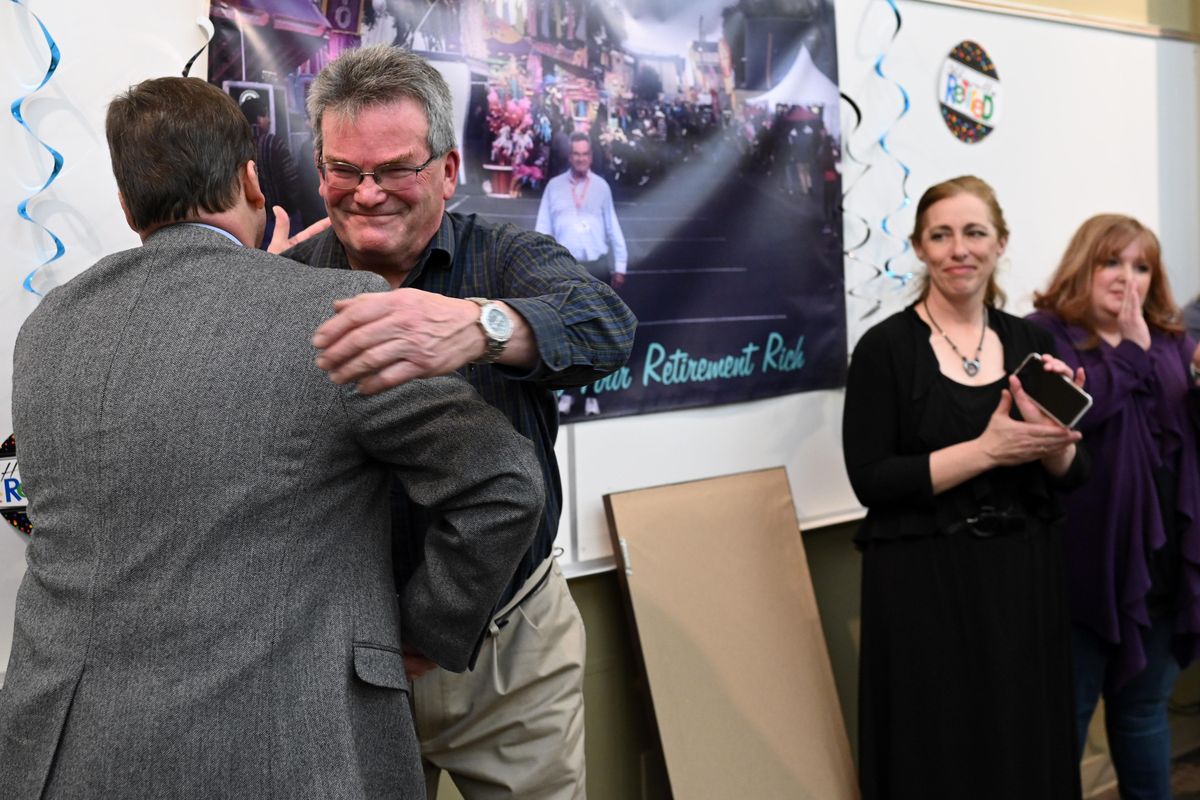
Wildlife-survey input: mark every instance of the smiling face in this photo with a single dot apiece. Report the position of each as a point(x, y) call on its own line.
point(960, 246)
point(1113, 276)
point(386, 231)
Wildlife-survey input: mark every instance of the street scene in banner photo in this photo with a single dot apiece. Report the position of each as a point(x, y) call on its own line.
point(685, 151)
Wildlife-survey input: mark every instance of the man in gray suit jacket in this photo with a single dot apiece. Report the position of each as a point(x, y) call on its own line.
point(209, 608)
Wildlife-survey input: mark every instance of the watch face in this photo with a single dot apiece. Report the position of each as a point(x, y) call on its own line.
point(497, 323)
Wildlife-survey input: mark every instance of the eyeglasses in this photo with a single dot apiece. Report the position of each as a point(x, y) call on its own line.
point(389, 177)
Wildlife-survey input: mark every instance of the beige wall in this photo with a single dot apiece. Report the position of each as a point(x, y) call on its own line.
point(1176, 15)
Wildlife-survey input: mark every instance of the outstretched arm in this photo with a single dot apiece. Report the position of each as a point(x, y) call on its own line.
point(569, 329)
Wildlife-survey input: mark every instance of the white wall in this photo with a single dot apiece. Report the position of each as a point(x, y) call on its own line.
point(1094, 121)
point(105, 47)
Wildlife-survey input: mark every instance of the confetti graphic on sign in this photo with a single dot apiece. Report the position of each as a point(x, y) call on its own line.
point(969, 92)
point(12, 496)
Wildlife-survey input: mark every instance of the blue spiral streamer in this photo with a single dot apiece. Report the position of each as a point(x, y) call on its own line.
point(852, 251)
point(861, 291)
point(906, 199)
point(23, 207)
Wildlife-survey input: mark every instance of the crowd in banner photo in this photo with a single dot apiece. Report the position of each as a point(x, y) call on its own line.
point(713, 125)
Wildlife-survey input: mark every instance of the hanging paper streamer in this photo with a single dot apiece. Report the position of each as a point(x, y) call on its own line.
point(906, 200)
point(856, 253)
point(23, 206)
point(852, 252)
point(209, 32)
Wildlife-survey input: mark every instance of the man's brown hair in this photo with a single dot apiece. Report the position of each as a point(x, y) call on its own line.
point(177, 145)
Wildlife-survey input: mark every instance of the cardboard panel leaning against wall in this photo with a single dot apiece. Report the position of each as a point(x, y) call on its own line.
point(104, 48)
point(1059, 155)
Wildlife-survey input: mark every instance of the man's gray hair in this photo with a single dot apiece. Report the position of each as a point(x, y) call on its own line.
point(378, 75)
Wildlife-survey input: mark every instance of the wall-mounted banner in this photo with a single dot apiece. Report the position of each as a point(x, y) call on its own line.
point(969, 92)
point(713, 124)
point(12, 497)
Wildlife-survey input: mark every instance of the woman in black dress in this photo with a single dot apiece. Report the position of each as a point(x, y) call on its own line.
point(965, 683)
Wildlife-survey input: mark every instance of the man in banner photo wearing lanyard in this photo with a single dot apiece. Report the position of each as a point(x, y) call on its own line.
point(577, 210)
point(209, 608)
point(512, 311)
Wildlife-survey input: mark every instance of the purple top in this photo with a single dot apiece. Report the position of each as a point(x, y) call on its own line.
point(1141, 421)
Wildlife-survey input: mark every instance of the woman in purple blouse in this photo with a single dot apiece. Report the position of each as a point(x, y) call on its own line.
point(1133, 531)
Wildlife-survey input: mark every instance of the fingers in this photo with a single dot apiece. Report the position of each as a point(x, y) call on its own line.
point(1029, 409)
point(279, 236)
point(365, 352)
point(380, 339)
point(1081, 376)
point(280, 241)
point(312, 230)
point(1056, 365)
point(352, 313)
point(392, 375)
point(1004, 407)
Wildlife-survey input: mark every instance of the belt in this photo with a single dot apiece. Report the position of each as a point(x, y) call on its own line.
point(989, 522)
point(532, 586)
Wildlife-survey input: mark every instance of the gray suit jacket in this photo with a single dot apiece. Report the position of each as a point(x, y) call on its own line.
point(209, 609)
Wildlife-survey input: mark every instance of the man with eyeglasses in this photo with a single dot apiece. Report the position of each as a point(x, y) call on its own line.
point(518, 317)
point(209, 608)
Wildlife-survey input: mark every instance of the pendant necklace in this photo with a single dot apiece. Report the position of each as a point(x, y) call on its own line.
point(970, 365)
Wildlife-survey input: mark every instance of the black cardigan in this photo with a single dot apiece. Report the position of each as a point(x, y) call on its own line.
point(886, 390)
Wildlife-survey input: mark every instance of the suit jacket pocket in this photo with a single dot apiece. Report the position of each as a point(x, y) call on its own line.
point(380, 666)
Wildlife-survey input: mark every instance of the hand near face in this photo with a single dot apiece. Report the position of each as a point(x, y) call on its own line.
point(280, 240)
point(1131, 321)
point(382, 339)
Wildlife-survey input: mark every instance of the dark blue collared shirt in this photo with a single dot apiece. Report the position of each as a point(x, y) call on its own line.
point(583, 330)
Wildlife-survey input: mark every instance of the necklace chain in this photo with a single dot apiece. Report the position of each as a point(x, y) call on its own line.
point(970, 365)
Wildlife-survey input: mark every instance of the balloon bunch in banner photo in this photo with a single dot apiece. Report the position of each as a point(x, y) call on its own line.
point(12, 496)
point(969, 92)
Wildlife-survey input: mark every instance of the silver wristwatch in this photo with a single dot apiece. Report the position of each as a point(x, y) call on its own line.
point(497, 328)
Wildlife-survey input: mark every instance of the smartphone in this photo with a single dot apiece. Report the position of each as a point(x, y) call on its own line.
point(1053, 393)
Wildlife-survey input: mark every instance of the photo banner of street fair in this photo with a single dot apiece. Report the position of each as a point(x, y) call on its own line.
point(685, 151)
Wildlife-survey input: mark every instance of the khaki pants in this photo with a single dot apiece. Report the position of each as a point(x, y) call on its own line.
point(513, 726)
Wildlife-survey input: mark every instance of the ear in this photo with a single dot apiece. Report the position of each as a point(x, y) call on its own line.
point(250, 186)
point(1003, 246)
point(450, 174)
point(128, 216)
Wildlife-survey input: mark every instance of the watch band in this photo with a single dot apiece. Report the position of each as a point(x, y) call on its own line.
point(495, 346)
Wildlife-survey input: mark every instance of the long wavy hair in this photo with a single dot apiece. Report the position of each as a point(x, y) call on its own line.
point(1099, 239)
